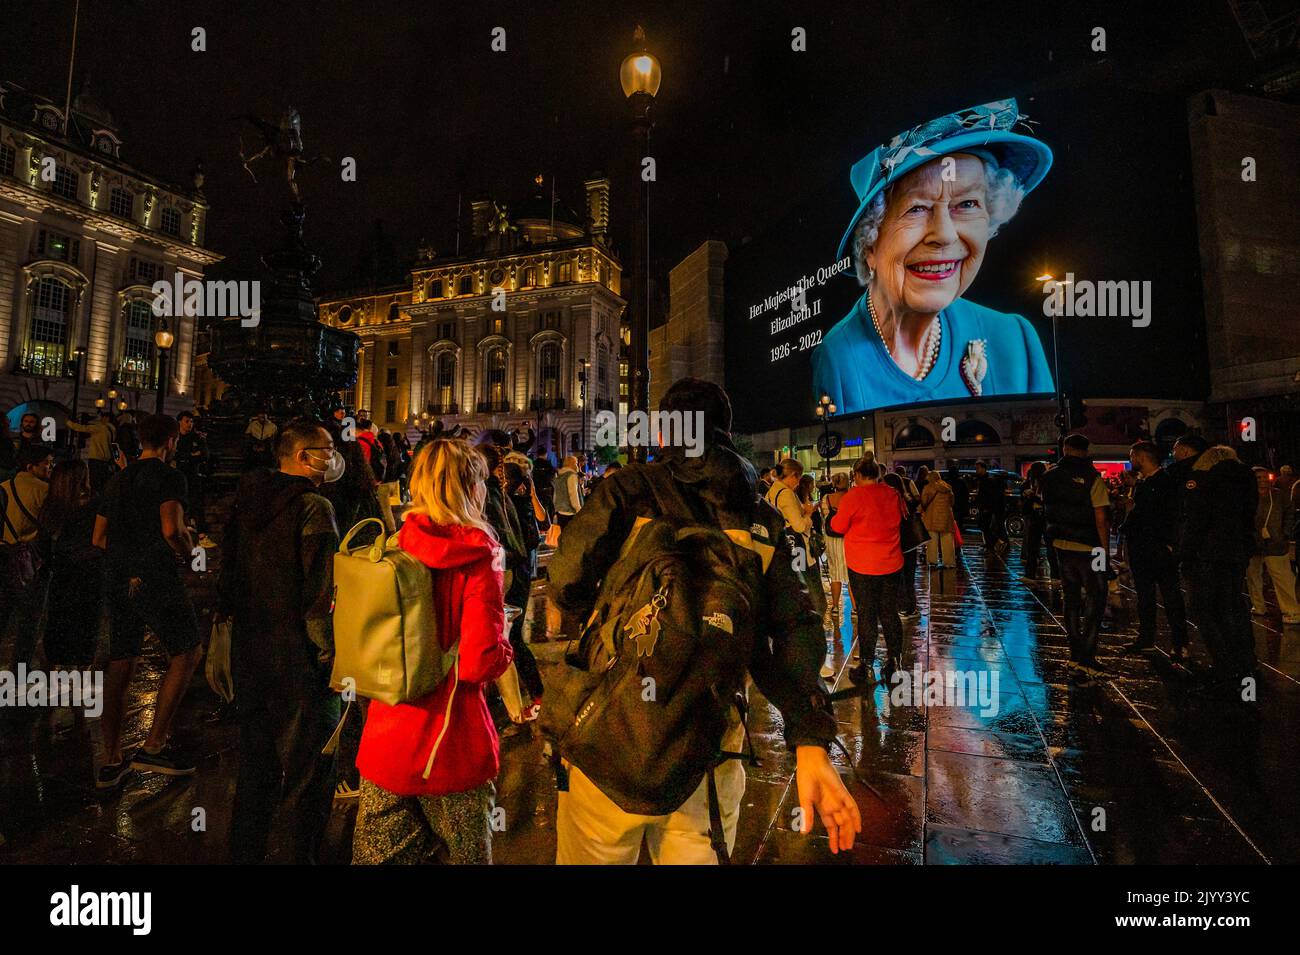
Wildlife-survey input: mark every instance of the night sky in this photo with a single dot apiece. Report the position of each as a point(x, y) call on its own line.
point(746, 129)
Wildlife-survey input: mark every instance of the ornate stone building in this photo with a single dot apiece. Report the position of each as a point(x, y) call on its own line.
point(504, 335)
point(83, 237)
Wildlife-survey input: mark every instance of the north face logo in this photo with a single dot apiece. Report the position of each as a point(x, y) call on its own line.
point(721, 621)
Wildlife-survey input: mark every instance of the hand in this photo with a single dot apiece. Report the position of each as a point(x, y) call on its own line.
point(820, 786)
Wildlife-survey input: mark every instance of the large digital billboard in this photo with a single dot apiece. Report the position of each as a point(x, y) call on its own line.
point(969, 257)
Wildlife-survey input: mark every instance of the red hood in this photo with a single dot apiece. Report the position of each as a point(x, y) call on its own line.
point(444, 545)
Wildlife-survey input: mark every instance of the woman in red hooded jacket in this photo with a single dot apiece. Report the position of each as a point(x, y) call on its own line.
point(427, 765)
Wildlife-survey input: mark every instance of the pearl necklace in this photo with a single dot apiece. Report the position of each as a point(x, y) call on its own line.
point(929, 344)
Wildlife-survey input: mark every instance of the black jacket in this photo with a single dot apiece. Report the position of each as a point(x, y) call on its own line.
point(1219, 509)
point(718, 488)
point(1151, 529)
point(1067, 500)
point(277, 583)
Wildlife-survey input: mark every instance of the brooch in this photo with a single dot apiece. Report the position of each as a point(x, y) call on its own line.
point(974, 366)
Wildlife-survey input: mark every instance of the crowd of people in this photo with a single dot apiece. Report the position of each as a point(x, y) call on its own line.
point(101, 540)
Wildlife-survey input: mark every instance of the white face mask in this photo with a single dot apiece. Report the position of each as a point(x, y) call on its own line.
point(332, 470)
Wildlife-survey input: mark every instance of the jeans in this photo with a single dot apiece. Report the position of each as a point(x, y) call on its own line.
point(1032, 548)
point(875, 598)
point(1278, 567)
point(1222, 614)
point(280, 762)
point(1149, 574)
point(940, 547)
point(591, 830)
point(1085, 603)
point(907, 584)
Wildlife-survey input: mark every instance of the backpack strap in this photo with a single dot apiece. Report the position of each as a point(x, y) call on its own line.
point(13, 492)
point(717, 835)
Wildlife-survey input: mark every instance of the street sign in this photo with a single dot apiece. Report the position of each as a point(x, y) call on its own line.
point(830, 444)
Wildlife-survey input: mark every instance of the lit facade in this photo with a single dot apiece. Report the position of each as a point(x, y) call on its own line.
point(83, 237)
point(438, 349)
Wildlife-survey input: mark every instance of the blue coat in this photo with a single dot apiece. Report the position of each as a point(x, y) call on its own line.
point(853, 367)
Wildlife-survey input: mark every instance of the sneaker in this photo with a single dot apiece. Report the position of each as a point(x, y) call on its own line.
point(166, 761)
point(828, 669)
point(345, 790)
point(110, 775)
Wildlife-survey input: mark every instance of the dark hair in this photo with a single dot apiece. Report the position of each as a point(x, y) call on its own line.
point(982, 464)
point(183, 415)
point(1076, 442)
point(1147, 448)
point(156, 430)
point(491, 455)
point(868, 468)
point(689, 395)
point(32, 454)
point(806, 485)
point(296, 435)
point(69, 490)
point(612, 466)
point(363, 424)
point(1193, 441)
point(894, 480)
point(1036, 470)
point(515, 476)
point(762, 471)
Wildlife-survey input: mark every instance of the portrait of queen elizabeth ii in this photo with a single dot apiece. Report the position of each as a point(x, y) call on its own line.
point(929, 201)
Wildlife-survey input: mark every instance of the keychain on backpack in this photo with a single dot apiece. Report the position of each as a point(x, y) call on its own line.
point(644, 628)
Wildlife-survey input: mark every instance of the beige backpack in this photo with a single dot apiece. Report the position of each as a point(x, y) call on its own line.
point(385, 634)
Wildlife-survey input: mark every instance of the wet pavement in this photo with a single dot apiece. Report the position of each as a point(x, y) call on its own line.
point(1131, 769)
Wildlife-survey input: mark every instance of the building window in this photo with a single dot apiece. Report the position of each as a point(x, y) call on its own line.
point(496, 376)
point(8, 155)
point(137, 367)
point(394, 348)
point(390, 411)
point(434, 289)
point(565, 272)
point(467, 285)
point(65, 183)
point(56, 245)
point(47, 338)
point(498, 326)
point(120, 203)
point(171, 220)
point(144, 273)
point(548, 363)
point(550, 320)
point(445, 379)
point(391, 380)
point(446, 331)
point(622, 379)
point(529, 279)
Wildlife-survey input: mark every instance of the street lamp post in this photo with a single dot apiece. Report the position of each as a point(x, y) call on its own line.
point(582, 396)
point(640, 76)
point(78, 355)
point(1062, 407)
point(825, 409)
point(163, 338)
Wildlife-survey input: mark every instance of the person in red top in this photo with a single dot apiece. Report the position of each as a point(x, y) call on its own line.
point(869, 517)
point(427, 765)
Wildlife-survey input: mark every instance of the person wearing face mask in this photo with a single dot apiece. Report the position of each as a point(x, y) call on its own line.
point(276, 584)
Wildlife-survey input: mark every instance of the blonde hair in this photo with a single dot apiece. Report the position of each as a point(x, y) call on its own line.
point(448, 484)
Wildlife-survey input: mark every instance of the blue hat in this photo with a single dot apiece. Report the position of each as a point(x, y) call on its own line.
point(980, 129)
